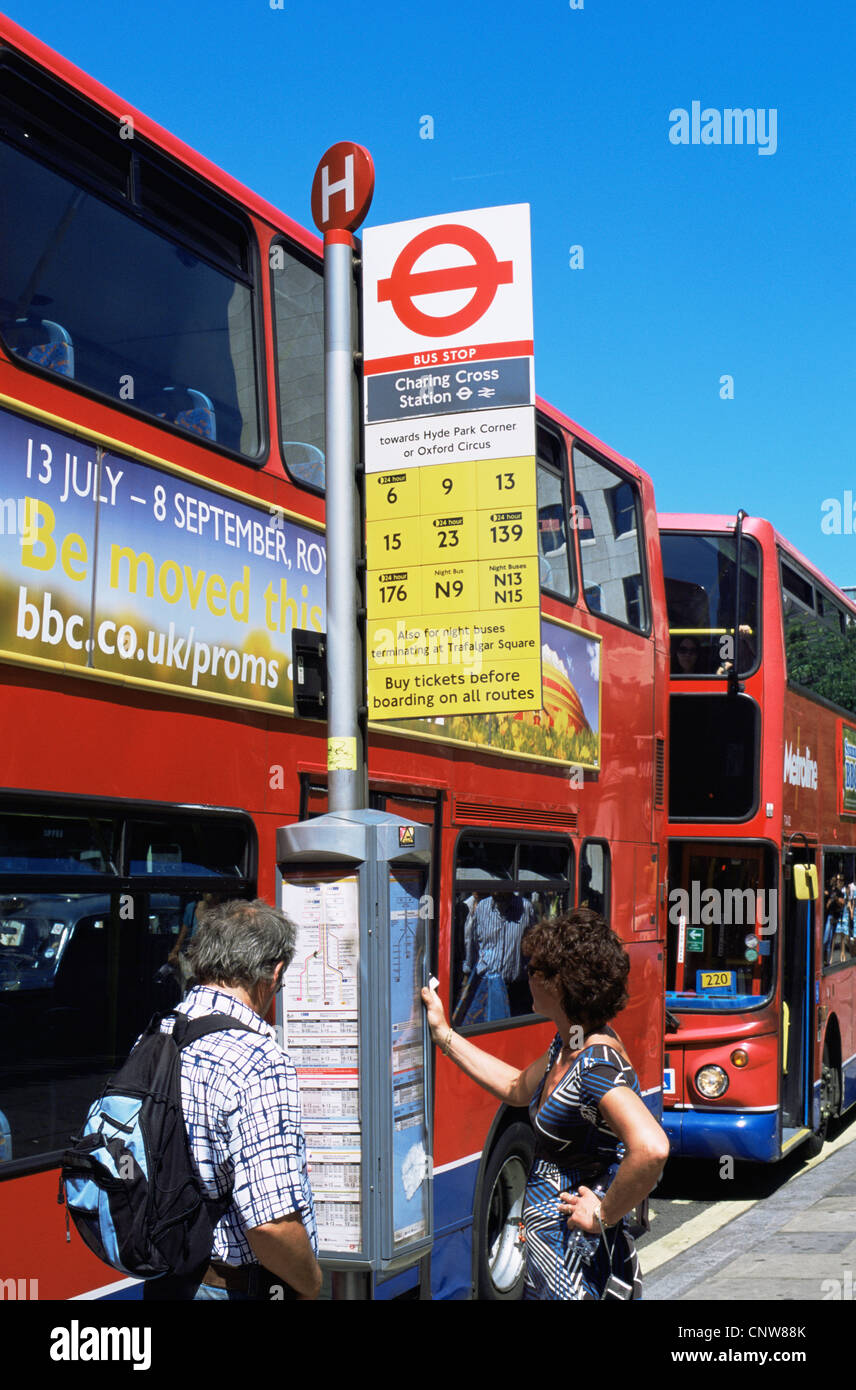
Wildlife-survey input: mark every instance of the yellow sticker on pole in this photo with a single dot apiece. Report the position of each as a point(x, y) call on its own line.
point(341, 755)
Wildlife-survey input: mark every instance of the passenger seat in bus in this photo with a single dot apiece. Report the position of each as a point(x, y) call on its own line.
point(184, 406)
point(43, 342)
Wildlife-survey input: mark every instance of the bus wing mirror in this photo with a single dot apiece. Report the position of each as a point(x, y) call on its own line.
point(805, 881)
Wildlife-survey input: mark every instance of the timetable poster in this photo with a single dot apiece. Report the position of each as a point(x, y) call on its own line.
point(321, 998)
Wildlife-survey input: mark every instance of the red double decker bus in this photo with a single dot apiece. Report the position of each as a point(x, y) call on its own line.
point(761, 959)
point(161, 439)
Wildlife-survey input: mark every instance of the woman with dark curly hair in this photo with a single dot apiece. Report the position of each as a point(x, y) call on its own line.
point(598, 1149)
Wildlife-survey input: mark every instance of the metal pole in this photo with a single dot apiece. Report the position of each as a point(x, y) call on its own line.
point(345, 752)
point(344, 675)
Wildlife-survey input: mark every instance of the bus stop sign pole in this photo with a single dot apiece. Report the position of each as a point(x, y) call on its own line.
point(341, 195)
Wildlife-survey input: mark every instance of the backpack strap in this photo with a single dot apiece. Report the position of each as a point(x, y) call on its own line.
point(189, 1030)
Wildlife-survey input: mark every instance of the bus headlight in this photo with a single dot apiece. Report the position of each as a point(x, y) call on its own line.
point(711, 1081)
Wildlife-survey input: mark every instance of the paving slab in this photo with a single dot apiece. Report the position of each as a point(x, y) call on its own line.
point(821, 1218)
point(792, 1246)
point(746, 1291)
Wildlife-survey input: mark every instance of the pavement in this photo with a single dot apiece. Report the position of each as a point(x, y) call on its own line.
point(798, 1244)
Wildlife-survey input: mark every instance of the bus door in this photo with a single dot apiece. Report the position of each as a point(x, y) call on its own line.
point(800, 886)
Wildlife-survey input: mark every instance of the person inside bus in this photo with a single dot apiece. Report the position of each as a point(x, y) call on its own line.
point(686, 657)
point(843, 925)
point(850, 899)
point(468, 909)
point(193, 915)
point(494, 978)
point(598, 1149)
point(834, 910)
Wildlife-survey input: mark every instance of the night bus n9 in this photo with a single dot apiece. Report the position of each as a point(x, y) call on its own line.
point(162, 480)
point(761, 960)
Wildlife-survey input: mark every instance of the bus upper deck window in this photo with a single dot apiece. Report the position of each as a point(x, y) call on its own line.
point(611, 549)
point(298, 301)
point(120, 275)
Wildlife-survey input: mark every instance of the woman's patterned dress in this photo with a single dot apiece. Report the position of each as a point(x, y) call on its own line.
point(574, 1147)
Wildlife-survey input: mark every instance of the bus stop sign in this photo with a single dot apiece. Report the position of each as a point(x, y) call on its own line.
point(342, 188)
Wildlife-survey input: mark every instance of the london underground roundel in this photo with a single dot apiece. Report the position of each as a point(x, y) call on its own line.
point(483, 273)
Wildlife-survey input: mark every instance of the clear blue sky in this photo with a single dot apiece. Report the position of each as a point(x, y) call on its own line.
point(700, 260)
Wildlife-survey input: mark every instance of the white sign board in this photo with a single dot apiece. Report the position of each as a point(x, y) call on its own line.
point(444, 290)
point(450, 490)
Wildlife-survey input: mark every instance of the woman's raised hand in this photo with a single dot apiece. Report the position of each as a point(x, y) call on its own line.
point(436, 1013)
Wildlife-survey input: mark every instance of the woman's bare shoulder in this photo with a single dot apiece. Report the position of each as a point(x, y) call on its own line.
point(610, 1040)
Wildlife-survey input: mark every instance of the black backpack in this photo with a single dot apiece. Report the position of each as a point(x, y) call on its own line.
point(128, 1178)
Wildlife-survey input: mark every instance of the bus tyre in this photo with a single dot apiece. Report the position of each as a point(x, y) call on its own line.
point(830, 1102)
point(498, 1230)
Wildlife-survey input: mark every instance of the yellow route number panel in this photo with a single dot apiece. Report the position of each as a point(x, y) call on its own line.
point(452, 593)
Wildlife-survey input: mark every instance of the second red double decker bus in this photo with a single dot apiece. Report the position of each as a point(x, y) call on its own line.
point(761, 959)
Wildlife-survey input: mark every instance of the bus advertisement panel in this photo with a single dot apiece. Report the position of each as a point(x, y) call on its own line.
point(133, 573)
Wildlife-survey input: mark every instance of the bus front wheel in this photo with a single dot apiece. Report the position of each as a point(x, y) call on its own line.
point(500, 1247)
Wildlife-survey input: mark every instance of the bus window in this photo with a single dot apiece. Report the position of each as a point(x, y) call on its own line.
point(611, 546)
point(820, 642)
point(209, 849)
point(80, 976)
point(700, 575)
point(57, 844)
point(502, 887)
point(298, 306)
point(555, 555)
point(84, 965)
point(723, 926)
point(120, 277)
point(552, 535)
point(714, 758)
point(595, 871)
point(839, 908)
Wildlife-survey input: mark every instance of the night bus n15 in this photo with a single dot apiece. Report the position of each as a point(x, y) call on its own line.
point(761, 961)
point(162, 481)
